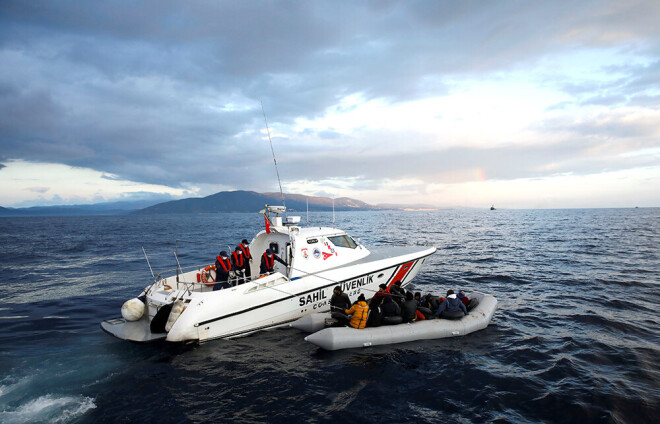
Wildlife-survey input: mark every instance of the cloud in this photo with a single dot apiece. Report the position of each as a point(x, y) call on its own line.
point(169, 93)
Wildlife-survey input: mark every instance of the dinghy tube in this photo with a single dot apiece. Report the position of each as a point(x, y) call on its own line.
point(336, 338)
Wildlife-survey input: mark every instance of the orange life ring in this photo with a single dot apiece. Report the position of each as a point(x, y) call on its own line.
point(207, 277)
point(167, 287)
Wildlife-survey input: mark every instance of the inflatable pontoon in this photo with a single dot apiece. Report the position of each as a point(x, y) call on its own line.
point(335, 338)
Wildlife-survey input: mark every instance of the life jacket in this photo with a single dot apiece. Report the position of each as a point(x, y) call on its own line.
point(236, 259)
point(271, 264)
point(246, 251)
point(225, 266)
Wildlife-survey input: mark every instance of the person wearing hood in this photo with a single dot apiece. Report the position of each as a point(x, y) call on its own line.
point(389, 308)
point(268, 262)
point(358, 313)
point(409, 308)
point(451, 304)
point(222, 270)
point(398, 293)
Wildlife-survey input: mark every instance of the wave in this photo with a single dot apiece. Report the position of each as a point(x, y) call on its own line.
point(50, 409)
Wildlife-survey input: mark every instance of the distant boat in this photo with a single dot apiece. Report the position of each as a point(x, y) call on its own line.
point(492, 208)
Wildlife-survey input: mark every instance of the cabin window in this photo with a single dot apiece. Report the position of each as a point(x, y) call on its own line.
point(275, 248)
point(343, 241)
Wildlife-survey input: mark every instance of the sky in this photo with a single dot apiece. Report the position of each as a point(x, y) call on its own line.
point(520, 104)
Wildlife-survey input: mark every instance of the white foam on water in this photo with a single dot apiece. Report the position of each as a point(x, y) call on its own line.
point(48, 408)
point(9, 384)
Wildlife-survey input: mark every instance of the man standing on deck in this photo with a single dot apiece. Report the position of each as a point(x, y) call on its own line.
point(238, 263)
point(268, 262)
point(222, 268)
point(247, 257)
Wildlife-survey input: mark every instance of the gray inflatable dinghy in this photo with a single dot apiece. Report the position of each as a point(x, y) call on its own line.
point(336, 338)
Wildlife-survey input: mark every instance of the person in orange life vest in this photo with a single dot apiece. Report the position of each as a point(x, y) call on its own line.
point(359, 313)
point(268, 262)
point(238, 264)
point(247, 257)
point(222, 268)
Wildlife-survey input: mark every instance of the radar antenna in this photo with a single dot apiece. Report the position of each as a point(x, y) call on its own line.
point(274, 160)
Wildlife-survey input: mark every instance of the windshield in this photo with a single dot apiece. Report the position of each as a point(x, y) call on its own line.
point(343, 241)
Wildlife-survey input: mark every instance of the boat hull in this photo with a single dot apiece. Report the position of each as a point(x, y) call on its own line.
point(242, 310)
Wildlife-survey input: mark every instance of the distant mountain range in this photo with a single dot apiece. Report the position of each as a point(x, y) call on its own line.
point(250, 201)
point(222, 202)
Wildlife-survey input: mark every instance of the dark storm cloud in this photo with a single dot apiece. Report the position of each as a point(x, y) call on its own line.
point(168, 92)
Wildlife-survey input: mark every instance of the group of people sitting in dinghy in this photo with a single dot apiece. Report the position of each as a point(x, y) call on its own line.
point(394, 305)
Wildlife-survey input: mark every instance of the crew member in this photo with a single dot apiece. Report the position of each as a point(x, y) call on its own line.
point(222, 269)
point(268, 262)
point(247, 257)
point(238, 264)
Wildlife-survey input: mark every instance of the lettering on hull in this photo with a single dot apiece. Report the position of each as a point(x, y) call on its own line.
point(313, 297)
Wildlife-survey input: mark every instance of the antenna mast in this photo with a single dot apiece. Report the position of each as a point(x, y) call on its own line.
point(274, 160)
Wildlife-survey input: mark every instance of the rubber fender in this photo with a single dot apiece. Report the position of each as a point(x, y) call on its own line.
point(132, 309)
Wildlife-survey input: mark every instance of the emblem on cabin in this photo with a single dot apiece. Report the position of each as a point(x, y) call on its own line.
point(317, 253)
point(304, 253)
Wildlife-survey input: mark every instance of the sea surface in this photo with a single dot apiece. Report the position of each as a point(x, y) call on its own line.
point(576, 337)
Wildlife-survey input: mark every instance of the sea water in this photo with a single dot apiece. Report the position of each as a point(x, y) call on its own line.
point(576, 337)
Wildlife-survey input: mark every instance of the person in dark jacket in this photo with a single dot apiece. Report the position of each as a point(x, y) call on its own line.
point(247, 256)
point(222, 270)
point(238, 263)
point(389, 308)
point(451, 304)
point(268, 262)
point(339, 302)
point(398, 294)
point(430, 301)
point(409, 308)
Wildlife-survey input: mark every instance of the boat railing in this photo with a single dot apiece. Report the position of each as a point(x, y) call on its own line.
point(178, 281)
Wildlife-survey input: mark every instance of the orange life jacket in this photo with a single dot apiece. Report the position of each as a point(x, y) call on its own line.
point(225, 266)
point(272, 261)
point(236, 259)
point(246, 251)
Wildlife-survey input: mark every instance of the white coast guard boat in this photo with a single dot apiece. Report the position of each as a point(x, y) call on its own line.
point(318, 259)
